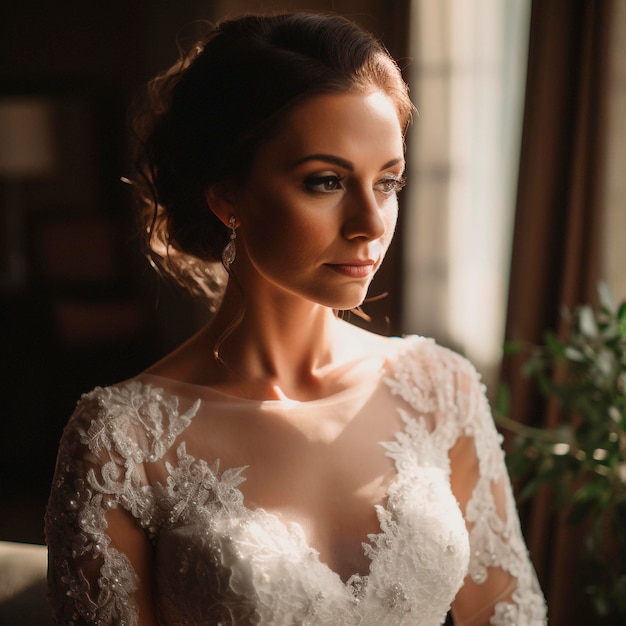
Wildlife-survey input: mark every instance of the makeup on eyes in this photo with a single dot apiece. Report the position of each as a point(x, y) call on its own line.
point(324, 182)
point(327, 182)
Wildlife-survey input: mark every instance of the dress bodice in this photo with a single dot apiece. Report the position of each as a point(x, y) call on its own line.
point(446, 517)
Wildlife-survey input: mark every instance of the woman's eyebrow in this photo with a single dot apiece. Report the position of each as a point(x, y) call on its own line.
point(327, 158)
point(341, 162)
point(392, 163)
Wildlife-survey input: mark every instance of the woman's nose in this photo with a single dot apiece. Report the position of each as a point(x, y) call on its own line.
point(364, 216)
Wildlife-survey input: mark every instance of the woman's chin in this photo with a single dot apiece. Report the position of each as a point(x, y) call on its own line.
point(347, 303)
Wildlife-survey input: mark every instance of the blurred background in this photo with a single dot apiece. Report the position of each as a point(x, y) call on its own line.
point(514, 208)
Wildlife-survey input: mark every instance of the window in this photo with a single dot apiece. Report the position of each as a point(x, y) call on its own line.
point(467, 82)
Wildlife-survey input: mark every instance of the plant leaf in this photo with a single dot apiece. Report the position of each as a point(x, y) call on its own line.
point(587, 322)
point(621, 317)
point(573, 354)
point(606, 298)
point(513, 347)
point(553, 344)
point(503, 404)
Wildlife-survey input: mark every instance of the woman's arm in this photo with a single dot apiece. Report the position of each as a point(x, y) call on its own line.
point(501, 587)
point(100, 557)
point(130, 539)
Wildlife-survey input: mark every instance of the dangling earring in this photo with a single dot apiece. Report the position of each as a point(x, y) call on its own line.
point(230, 250)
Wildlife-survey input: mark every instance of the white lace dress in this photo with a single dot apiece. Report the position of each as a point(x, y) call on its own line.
point(141, 454)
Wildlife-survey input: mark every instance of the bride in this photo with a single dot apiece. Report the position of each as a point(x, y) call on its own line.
point(283, 466)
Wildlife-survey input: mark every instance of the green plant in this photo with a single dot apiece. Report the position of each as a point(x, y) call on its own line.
point(583, 460)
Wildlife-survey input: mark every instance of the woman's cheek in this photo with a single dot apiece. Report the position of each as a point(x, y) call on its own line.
point(391, 219)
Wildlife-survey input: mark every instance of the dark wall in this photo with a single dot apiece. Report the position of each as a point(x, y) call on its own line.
point(88, 310)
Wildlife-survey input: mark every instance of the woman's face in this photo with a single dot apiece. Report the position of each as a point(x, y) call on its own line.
point(319, 207)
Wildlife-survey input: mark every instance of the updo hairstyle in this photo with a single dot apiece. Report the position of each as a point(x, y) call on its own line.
point(208, 114)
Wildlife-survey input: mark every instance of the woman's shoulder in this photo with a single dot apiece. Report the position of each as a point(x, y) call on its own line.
point(433, 378)
point(137, 419)
point(430, 355)
point(418, 356)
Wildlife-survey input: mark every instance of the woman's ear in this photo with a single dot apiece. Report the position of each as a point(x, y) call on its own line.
point(221, 202)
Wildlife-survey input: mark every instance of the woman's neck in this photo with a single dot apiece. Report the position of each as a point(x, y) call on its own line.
point(281, 347)
point(267, 350)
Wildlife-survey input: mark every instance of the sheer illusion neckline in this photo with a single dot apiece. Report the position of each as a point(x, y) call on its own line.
point(370, 544)
point(209, 393)
point(371, 376)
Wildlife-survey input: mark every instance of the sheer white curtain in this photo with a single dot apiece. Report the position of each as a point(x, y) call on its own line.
point(467, 80)
point(614, 235)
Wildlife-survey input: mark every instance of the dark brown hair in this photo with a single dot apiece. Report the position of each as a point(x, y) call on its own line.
point(207, 115)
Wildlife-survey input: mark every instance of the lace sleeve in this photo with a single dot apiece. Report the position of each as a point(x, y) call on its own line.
point(99, 553)
point(501, 587)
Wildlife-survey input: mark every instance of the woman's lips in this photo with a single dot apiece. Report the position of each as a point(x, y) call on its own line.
point(353, 269)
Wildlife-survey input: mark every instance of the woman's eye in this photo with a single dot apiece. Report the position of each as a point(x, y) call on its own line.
point(323, 184)
point(390, 185)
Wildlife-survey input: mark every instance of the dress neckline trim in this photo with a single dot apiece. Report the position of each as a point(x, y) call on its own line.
point(210, 394)
point(206, 393)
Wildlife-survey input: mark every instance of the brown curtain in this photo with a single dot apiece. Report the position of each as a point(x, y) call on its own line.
point(555, 260)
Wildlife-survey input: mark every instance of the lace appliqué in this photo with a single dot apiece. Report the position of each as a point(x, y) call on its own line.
point(430, 380)
point(423, 550)
point(137, 422)
point(195, 489)
point(110, 433)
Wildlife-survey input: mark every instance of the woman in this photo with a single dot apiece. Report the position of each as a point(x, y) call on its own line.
point(283, 466)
